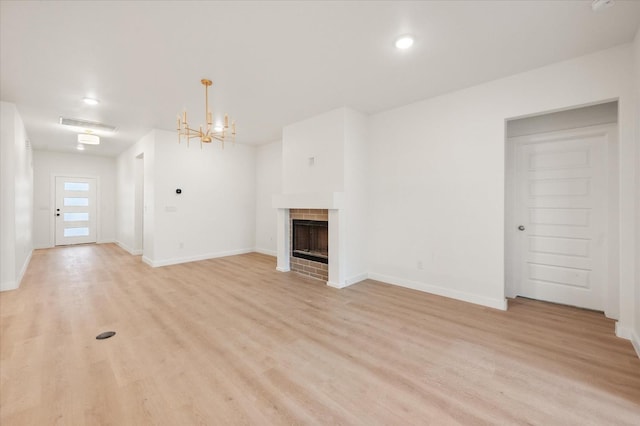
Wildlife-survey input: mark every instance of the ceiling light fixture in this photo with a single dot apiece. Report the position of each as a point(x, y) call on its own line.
point(599, 5)
point(404, 42)
point(90, 101)
point(210, 133)
point(88, 139)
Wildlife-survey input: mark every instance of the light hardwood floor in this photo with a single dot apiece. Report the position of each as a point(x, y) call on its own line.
point(232, 341)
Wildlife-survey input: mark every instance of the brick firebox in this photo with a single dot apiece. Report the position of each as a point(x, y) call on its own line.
point(308, 267)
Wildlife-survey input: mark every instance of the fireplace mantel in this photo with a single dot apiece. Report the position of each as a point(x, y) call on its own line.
point(334, 203)
point(309, 200)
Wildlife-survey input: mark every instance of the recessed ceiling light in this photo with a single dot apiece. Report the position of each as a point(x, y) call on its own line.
point(404, 42)
point(80, 147)
point(218, 128)
point(90, 101)
point(88, 139)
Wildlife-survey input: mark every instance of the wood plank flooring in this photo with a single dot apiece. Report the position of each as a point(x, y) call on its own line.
point(232, 341)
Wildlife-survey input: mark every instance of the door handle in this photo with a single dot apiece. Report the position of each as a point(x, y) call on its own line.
point(521, 228)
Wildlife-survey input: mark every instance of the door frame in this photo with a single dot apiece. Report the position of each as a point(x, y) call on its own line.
point(612, 230)
point(52, 204)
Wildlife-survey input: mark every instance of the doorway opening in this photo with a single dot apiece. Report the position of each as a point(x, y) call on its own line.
point(561, 207)
point(138, 244)
point(75, 210)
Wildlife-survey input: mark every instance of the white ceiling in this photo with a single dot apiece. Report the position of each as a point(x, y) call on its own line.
point(272, 63)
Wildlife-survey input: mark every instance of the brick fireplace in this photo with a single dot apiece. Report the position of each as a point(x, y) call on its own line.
point(309, 242)
point(326, 206)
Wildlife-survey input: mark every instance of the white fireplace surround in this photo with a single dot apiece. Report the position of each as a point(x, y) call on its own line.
point(334, 203)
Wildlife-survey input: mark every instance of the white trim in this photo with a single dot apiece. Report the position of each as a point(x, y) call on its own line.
point(283, 269)
point(635, 341)
point(308, 200)
point(500, 304)
point(24, 268)
point(128, 249)
point(349, 281)
point(109, 241)
point(336, 285)
point(356, 279)
point(13, 285)
point(8, 285)
point(628, 333)
point(177, 260)
point(265, 251)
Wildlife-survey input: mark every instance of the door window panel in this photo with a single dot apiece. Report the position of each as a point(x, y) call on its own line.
point(76, 232)
point(76, 186)
point(76, 201)
point(76, 217)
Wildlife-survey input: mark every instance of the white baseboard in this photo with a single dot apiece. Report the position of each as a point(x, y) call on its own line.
point(8, 285)
point(336, 285)
point(106, 241)
point(500, 304)
point(635, 341)
point(178, 260)
point(357, 278)
point(283, 269)
point(349, 281)
point(128, 249)
point(265, 251)
point(628, 333)
point(13, 285)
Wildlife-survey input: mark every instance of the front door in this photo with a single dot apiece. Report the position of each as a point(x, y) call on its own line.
point(561, 205)
point(75, 210)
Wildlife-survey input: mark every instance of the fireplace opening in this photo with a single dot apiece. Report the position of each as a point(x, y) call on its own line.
point(311, 240)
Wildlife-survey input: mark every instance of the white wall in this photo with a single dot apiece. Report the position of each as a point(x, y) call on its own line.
point(437, 176)
point(322, 138)
point(16, 198)
point(355, 195)
point(127, 202)
point(268, 183)
point(215, 214)
point(47, 165)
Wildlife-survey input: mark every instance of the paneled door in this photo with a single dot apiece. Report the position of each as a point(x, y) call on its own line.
point(561, 205)
point(75, 210)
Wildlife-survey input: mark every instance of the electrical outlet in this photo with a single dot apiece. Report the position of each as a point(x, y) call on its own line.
point(420, 265)
point(181, 245)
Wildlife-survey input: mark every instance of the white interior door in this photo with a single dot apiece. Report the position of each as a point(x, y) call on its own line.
point(75, 210)
point(561, 205)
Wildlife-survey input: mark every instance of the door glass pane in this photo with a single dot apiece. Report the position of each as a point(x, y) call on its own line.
point(76, 201)
point(76, 186)
point(75, 217)
point(76, 232)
